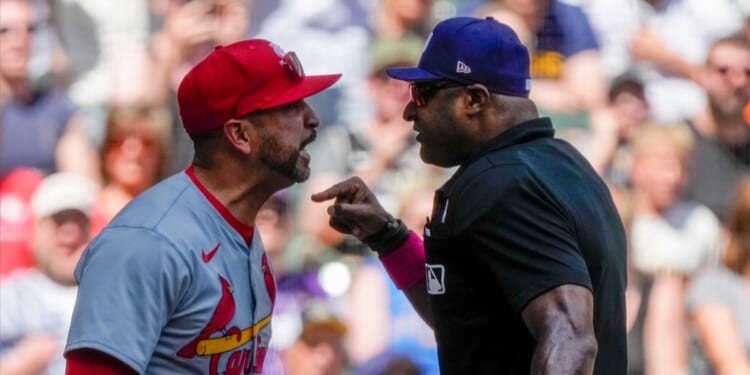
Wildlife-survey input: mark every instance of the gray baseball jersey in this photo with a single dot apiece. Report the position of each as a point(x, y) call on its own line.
point(176, 284)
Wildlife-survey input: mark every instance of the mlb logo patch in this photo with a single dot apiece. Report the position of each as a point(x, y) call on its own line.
point(435, 278)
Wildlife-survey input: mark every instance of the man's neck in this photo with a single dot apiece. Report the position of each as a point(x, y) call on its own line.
point(17, 88)
point(240, 192)
point(14, 89)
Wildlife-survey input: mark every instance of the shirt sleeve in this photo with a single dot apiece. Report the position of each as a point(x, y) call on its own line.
point(579, 35)
point(710, 287)
point(130, 280)
point(83, 362)
point(527, 239)
point(11, 315)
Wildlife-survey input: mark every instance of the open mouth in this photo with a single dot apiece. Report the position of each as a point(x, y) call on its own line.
point(304, 155)
point(309, 140)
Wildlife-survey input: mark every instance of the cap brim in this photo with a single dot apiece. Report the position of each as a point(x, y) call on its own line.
point(411, 74)
point(308, 86)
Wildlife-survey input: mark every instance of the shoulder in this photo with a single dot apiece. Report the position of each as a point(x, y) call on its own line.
point(130, 248)
point(715, 285)
point(501, 182)
point(575, 26)
point(498, 174)
point(52, 108)
point(168, 200)
point(19, 285)
point(56, 103)
point(151, 228)
point(693, 216)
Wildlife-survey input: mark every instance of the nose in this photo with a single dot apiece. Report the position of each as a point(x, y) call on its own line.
point(71, 234)
point(673, 175)
point(311, 118)
point(132, 145)
point(410, 111)
point(738, 77)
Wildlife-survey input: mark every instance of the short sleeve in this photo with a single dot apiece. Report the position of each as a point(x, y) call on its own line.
point(579, 35)
point(12, 325)
point(528, 239)
point(130, 280)
point(710, 287)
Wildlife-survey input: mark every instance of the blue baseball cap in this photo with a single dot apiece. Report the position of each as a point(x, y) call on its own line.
point(473, 50)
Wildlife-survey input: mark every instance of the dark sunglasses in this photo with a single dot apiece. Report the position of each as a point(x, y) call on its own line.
point(421, 92)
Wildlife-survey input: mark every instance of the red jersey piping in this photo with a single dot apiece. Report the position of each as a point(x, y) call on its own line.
point(246, 231)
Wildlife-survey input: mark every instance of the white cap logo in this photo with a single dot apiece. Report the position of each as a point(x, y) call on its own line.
point(461, 67)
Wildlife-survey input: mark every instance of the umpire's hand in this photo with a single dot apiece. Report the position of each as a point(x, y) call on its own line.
point(355, 211)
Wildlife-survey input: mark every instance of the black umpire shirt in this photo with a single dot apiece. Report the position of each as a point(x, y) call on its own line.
point(520, 218)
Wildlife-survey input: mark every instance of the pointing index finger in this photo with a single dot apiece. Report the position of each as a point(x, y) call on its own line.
point(334, 191)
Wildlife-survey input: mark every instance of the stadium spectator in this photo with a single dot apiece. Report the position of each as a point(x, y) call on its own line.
point(671, 238)
point(666, 41)
point(668, 232)
point(16, 219)
point(319, 348)
point(722, 148)
point(134, 157)
point(186, 31)
point(719, 300)
point(606, 145)
point(565, 62)
point(36, 305)
point(40, 128)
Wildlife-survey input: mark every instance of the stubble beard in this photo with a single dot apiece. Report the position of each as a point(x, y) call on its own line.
point(284, 160)
point(438, 151)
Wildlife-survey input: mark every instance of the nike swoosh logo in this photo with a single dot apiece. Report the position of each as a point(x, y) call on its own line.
point(207, 256)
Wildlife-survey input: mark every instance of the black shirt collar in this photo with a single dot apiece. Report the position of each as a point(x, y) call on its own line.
point(518, 134)
point(521, 133)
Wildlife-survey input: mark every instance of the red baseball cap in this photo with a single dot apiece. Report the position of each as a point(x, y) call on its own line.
point(235, 80)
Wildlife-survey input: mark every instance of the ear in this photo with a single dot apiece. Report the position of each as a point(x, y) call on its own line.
point(238, 134)
point(477, 100)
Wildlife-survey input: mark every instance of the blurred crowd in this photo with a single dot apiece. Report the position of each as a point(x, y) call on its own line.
point(655, 93)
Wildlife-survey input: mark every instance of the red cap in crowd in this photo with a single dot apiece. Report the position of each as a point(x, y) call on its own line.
point(235, 80)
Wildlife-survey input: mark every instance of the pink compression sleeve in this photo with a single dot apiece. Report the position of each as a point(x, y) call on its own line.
point(406, 264)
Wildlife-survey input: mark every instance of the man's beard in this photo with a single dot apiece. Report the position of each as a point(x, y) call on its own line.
point(283, 160)
point(729, 108)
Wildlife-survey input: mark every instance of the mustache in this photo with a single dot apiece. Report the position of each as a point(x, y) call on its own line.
point(310, 139)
